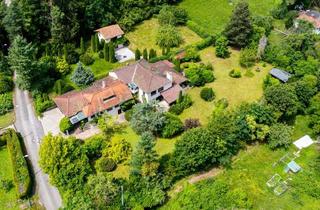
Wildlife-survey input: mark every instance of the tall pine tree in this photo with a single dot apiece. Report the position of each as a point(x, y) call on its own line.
point(106, 51)
point(239, 29)
point(21, 60)
point(144, 159)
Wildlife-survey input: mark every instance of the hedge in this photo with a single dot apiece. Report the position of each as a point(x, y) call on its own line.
point(197, 29)
point(21, 175)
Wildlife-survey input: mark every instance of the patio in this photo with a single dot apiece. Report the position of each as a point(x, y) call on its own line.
point(124, 54)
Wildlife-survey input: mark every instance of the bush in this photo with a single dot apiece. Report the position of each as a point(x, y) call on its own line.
point(65, 125)
point(6, 104)
point(191, 55)
point(199, 74)
point(182, 103)
point(173, 126)
point(280, 136)
point(248, 57)
point(61, 87)
point(207, 94)
point(127, 105)
point(5, 185)
point(202, 32)
point(62, 66)
point(6, 84)
point(21, 176)
point(207, 42)
point(86, 59)
point(42, 102)
point(128, 115)
point(222, 50)
point(101, 54)
point(223, 103)
point(191, 123)
point(72, 57)
point(235, 73)
point(105, 164)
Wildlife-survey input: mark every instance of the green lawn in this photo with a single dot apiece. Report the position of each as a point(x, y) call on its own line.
point(144, 36)
point(213, 15)
point(163, 146)
point(7, 200)
point(236, 91)
point(6, 120)
point(252, 168)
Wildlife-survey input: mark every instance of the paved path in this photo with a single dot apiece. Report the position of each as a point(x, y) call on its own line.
point(31, 130)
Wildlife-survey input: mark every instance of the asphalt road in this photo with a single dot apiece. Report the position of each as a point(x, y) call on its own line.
point(31, 130)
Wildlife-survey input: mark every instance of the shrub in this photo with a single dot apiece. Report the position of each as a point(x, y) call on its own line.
point(128, 115)
point(105, 164)
point(127, 105)
point(223, 103)
point(173, 126)
point(222, 47)
point(235, 73)
point(248, 57)
point(199, 74)
point(101, 54)
point(72, 57)
point(21, 176)
point(6, 104)
point(182, 103)
point(118, 150)
point(65, 124)
point(280, 136)
point(160, 58)
point(202, 32)
point(62, 66)
point(137, 54)
point(86, 59)
point(61, 87)
point(207, 94)
point(6, 84)
point(207, 42)
point(42, 102)
point(82, 76)
point(6, 185)
point(191, 123)
point(191, 54)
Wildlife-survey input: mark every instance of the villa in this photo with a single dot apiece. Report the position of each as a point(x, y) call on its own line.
point(104, 96)
point(109, 33)
point(151, 81)
point(311, 16)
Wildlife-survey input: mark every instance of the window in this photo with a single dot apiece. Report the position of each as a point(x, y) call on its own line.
point(160, 89)
point(110, 109)
point(105, 100)
point(153, 93)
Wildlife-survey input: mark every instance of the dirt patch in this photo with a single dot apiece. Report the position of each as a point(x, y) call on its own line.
point(212, 173)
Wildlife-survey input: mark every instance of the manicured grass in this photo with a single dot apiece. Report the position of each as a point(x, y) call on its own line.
point(213, 15)
point(7, 200)
point(235, 90)
point(252, 168)
point(163, 146)
point(144, 36)
point(6, 120)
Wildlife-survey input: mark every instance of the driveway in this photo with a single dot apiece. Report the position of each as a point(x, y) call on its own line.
point(124, 54)
point(31, 129)
point(50, 121)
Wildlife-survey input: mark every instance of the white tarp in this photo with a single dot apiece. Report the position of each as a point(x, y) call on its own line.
point(303, 142)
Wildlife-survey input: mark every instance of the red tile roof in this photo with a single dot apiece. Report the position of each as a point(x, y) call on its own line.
point(149, 76)
point(172, 94)
point(93, 99)
point(110, 32)
point(310, 17)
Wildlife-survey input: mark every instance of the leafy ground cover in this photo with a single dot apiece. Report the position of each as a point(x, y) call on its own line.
point(8, 200)
point(214, 14)
point(144, 36)
point(6, 120)
point(235, 90)
point(252, 168)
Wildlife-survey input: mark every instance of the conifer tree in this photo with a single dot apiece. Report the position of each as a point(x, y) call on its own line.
point(82, 47)
point(239, 28)
point(106, 51)
point(93, 45)
point(137, 55)
point(145, 54)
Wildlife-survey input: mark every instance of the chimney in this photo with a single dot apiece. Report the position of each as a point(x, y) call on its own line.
point(169, 76)
point(103, 84)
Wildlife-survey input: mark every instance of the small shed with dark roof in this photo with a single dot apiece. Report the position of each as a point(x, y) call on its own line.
point(281, 75)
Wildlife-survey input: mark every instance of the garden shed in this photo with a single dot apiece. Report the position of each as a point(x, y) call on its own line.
point(281, 75)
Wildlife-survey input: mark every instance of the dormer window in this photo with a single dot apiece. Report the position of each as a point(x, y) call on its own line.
point(153, 93)
point(105, 100)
